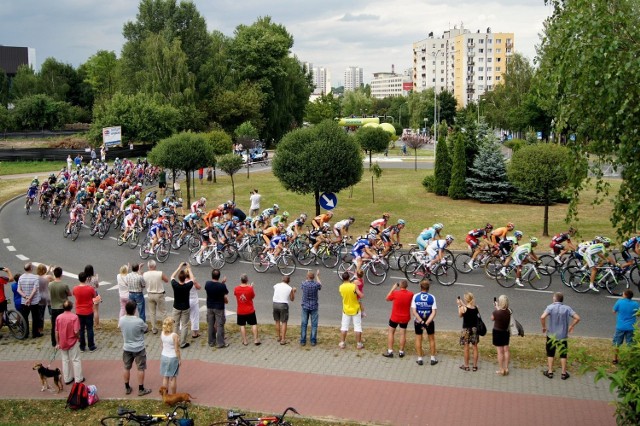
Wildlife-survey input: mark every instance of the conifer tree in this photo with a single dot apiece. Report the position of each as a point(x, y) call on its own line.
point(458, 185)
point(488, 182)
point(442, 168)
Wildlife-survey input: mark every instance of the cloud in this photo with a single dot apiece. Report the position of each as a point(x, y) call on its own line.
point(349, 17)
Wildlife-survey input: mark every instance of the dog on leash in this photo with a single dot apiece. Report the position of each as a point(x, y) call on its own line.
point(173, 399)
point(45, 373)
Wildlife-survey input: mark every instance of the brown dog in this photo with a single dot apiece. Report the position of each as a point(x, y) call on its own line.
point(45, 373)
point(173, 399)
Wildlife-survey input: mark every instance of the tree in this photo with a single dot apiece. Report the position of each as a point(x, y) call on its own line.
point(24, 83)
point(356, 102)
point(447, 105)
point(414, 142)
point(317, 159)
point(142, 117)
point(540, 168)
point(4, 88)
point(589, 82)
point(230, 164)
point(372, 139)
point(442, 170)
point(101, 72)
point(221, 143)
point(183, 151)
point(488, 181)
point(326, 107)
point(458, 186)
point(39, 112)
point(5, 118)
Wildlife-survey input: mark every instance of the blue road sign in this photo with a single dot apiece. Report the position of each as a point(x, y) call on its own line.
point(328, 200)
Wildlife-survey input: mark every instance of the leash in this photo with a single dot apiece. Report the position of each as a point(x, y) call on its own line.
point(55, 352)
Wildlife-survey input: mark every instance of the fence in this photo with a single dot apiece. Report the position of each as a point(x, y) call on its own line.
point(60, 154)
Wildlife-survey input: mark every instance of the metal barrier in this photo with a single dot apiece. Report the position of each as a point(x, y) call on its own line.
point(60, 154)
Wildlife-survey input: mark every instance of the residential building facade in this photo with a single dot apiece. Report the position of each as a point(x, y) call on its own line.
point(353, 78)
point(390, 84)
point(11, 58)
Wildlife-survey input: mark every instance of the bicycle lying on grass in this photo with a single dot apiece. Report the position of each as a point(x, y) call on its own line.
point(129, 417)
point(238, 419)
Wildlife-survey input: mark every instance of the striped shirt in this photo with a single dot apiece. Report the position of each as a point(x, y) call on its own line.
point(135, 282)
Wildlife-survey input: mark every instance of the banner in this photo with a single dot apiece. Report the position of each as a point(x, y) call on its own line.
point(112, 136)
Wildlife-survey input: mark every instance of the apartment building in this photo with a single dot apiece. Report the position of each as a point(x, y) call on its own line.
point(464, 63)
point(321, 79)
point(390, 84)
point(353, 78)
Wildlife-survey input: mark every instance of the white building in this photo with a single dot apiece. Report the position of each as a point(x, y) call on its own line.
point(353, 78)
point(390, 84)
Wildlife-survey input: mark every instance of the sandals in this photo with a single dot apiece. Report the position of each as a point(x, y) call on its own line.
point(464, 368)
point(548, 374)
point(565, 376)
point(475, 368)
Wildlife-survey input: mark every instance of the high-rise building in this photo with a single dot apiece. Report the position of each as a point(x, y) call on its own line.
point(390, 84)
point(464, 63)
point(321, 79)
point(353, 78)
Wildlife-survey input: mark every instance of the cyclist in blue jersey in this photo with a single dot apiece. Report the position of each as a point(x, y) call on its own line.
point(362, 249)
point(423, 311)
point(295, 226)
point(230, 229)
point(157, 231)
point(32, 192)
point(631, 245)
point(428, 234)
point(276, 244)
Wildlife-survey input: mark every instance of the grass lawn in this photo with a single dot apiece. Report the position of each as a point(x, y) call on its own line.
point(35, 167)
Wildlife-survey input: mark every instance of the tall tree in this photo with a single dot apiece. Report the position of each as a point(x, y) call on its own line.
point(306, 163)
point(442, 167)
point(356, 102)
point(4, 88)
point(488, 181)
point(101, 73)
point(326, 107)
point(590, 81)
point(458, 185)
point(24, 83)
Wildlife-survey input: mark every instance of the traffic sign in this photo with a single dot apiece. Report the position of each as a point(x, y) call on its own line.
point(328, 200)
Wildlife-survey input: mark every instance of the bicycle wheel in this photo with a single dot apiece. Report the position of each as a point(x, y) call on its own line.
point(231, 254)
point(549, 262)
point(56, 216)
point(93, 230)
point(348, 267)
point(247, 253)
point(328, 255)
point(461, 263)
point(133, 240)
point(445, 274)
point(28, 206)
point(75, 231)
point(616, 284)
point(537, 279)
point(566, 272)
point(492, 266)
point(392, 259)
point(195, 242)
point(217, 260)
point(305, 257)
point(103, 229)
point(17, 324)
point(286, 264)
point(579, 281)
point(415, 271)
point(376, 273)
point(403, 259)
point(121, 240)
point(193, 259)
point(163, 250)
point(506, 281)
point(261, 262)
point(114, 421)
point(144, 248)
point(634, 275)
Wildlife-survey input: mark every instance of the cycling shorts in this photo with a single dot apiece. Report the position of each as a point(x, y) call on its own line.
point(626, 254)
point(386, 239)
point(471, 241)
point(557, 248)
point(591, 259)
point(357, 254)
point(422, 243)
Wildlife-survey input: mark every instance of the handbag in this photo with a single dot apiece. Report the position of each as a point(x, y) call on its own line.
point(482, 328)
point(515, 328)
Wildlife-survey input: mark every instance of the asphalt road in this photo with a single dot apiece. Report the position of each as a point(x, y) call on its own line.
point(30, 238)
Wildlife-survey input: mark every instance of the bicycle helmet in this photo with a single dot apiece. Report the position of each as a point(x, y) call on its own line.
point(235, 218)
point(352, 219)
point(330, 213)
point(324, 225)
point(199, 211)
point(606, 241)
point(438, 226)
point(449, 238)
point(533, 241)
point(371, 235)
point(488, 226)
point(518, 234)
point(401, 222)
point(165, 222)
point(303, 216)
point(386, 215)
point(203, 200)
point(597, 239)
point(276, 207)
point(285, 214)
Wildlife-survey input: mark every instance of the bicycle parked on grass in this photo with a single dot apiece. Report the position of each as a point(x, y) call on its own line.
point(610, 277)
point(238, 419)
point(15, 322)
point(126, 416)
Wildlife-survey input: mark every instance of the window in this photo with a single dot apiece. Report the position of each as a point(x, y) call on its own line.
point(498, 59)
point(498, 69)
point(489, 78)
point(489, 59)
point(480, 86)
point(481, 41)
point(442, 46)
point(480, 68)
point(481, 50)
point(433, 80)
point(489, 41)
point(480, 59)
point(434, 45)
point(488, 68)
point(470, 40)
point(489, 50)
point(498, 40)
point(441, 62)
point(442, 80)
point(480, 78)
point(497, 78)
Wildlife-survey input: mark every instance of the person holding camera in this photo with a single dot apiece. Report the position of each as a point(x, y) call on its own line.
point(254, 198)
point(182, 280)
point(468, 311)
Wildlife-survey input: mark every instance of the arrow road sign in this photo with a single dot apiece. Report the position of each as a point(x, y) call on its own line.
point(328, 201)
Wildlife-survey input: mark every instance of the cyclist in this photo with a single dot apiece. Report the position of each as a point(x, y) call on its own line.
point(32, 191)
point(427, 235)
point(157, 232)
point(341, 228)
point(207, 235)
point(267, 214)
point(323, 235)
point(280, 218)
point(379, 225)
point(595, 256)
point(130, 222)
point(258, 223)
point(198, 204)
point(295, 226)
point(321, 219)
point(435, 250)
point(500, 233)
point(276, 244)
point(391, 235)
point(267, 234)
point(475, 244)
point(557, 243)
point(507, 245)
point(76, 213)
point(362, 249)
point(230, 229)
point(631, 245)
point(520, 256)
point(188, 223)
point(211, 216)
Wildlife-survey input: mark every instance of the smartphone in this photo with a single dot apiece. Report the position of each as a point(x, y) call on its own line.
point(495, 299)
point(458, 297)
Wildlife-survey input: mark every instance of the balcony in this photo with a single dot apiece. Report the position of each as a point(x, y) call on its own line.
point(471, 53)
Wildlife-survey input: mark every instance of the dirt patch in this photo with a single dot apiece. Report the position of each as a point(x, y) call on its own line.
point(69, 142)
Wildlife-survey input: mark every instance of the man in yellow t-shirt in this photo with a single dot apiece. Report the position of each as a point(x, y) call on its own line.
point(350, 311)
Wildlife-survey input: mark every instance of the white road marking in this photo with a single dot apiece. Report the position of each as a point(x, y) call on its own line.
point(534, 290)
point(11, 248)
point(6, 240)
point(469, 284)
point(22, 257)
point(115, 287)
point(101, 283)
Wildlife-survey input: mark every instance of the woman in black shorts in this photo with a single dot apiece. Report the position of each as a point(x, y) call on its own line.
point(501, 318)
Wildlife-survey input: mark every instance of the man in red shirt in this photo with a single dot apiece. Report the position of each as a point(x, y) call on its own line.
point(246, 311)
point(67, 335)
point(3, 298)
point(84, 295)
point(400, 316)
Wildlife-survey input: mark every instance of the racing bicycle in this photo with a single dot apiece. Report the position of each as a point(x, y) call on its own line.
point(15, 322)
point(127, 416)
point(239, 419)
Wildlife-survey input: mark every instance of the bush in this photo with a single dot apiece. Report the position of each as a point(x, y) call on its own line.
point(429, 183)
point(515, 144)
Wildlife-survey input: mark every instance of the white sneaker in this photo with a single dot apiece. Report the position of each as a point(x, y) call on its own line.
point(557, 259)
point(594, 288)
point(519, 283)
point(503, 271)
point(313, 250)
point(470, 263)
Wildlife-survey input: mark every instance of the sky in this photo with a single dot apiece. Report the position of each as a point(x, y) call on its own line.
point(372, 34)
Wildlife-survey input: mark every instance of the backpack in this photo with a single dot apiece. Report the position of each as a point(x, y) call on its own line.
point(93, 394)
point(78, 397)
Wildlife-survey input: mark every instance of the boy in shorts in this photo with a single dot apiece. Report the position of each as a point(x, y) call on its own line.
point(423, 310)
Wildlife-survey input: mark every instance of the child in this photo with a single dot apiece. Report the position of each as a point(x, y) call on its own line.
point(359, 281)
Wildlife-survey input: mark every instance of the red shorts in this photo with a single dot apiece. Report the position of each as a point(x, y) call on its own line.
point(471, 241)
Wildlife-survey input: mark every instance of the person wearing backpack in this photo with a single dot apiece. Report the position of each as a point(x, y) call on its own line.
point(67, 341)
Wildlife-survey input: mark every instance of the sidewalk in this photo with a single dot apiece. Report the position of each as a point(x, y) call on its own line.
point(330, 383)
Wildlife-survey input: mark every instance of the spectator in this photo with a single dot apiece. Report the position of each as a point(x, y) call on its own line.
point(468, 311)
point(201, 174)
point(162, 181)
point(67, 332)
point(94, 281)
point(246, 311)
point(310, 289)
point(170, 357)
point(103, 153)
point(136, 284)
point(350, 311)
point(78, 161)
point(209, 174)
point(3, 297)
point(501, 334)
point(123, 289)
point(133, 329)
point(194, 312)
point(181, 281)
point(44, 278)
point(626, 310)
point(84, 295)
point(400, 316)
point(217, 298)
point(17, 298)
point(359, 282)
point(29, 290)
point(59, 292)
point(154, 280)
point(424, 310)
point(93, 156)
point(255, 203)
point(558, 332)
point(69, 163)
point(283, 293)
